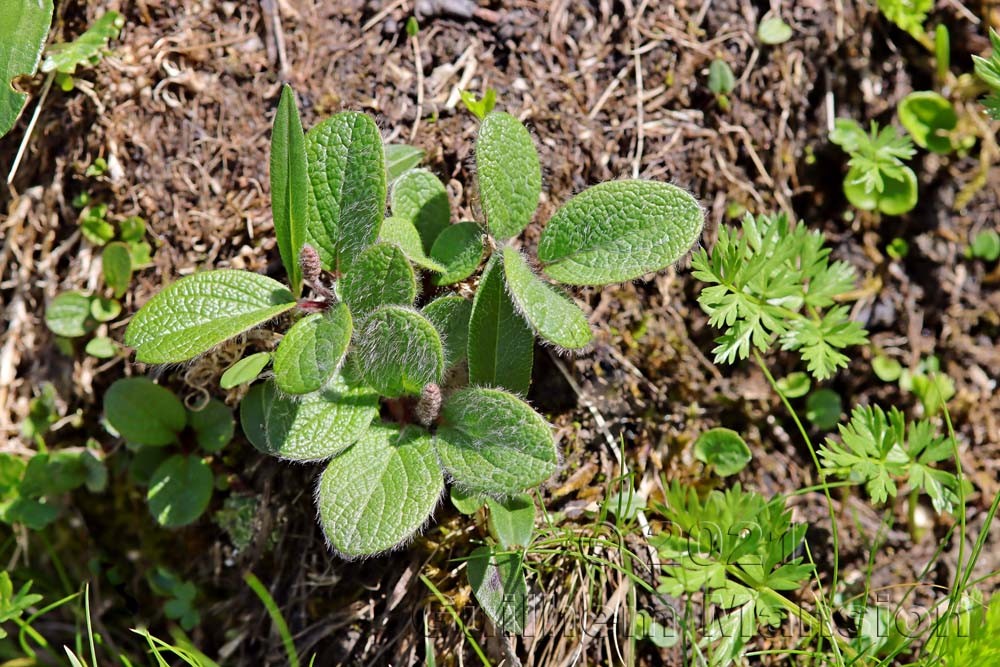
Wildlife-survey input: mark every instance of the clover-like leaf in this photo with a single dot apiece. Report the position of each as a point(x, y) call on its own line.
point(180, 490)
point(510, 175)
point(619, 231)
point(420, 197)
point(450, 316)
point(380, 276)
point(311, 428)
point(723, 449)
point(245, 370)
point(399, 351)
point(198, 312)
point(402, 233)
point(213, 425)
point(552, 314)
point(69, 315)
point(400, 158)
point(143, 412)
point(381, 491)
point(458, 249)
point(501, 345)
point(312, 350)
point(116, 264)
point(512, 520)
point(493, 442)
point(23, 31)
point(497, 581)
point(928, 117)
point(289, 186)
point(347, 187)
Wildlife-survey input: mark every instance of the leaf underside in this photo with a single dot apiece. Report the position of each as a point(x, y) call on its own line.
point(399, 352)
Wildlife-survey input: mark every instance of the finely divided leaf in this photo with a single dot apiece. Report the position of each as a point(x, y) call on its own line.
point(289, 186)
point(381, 275)
point(401, 232)
point(312, 428)
point(420, 197)
point(399, 351)
point(510, 176)
point(347, 187)
point(381, 491)
point(458, 249)
point(493, 442)
point(552, 314)
point(450, 316)
point(312, 350)
point(143, 412)
point(619, 231)
point(501, 345)
point(198, 312)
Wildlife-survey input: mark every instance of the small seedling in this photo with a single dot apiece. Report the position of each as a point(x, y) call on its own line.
point(721, 82)
point(897, 248)
point(31, 492)
point(985, 246)
point(988, 70)
point(479, 107)
point(724, 450)
point(155, 424)
point(180, 596)
point(929, 118)
point(823, 408)
point(773, 31)
point(877, 179)
point(908, 15)
point(14, 605)
point(367, 380)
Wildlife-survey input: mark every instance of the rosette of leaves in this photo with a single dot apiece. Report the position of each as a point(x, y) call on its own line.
point(877, 178)
point(400, 389)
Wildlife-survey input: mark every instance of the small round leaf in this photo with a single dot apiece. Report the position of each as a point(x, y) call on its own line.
point(143, 412)
point(312, 350)
point(116, 262)
point(213, 425)
point(68, 315)
point(180, 490)
point(420, 197)
point(723, 449)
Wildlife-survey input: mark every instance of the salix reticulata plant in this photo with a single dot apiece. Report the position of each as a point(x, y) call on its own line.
point(402, 390)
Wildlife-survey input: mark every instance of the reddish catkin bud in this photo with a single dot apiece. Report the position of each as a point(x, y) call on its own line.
point(309, 263)
point(429, 405)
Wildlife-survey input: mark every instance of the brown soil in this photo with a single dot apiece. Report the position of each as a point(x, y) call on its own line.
point(181, 111)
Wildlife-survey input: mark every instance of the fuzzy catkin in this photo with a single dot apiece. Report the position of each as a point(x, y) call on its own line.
point(310, 264)
point(429, 405)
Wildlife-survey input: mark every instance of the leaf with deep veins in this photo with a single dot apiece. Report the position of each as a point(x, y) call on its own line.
point(510, 176)
point(552, 314)
point(618, 231)
point(493, 442)
point(381, 491)
point(420, 197)
point(381, 275)
point(198, 312)
point(399, 351)
point(401, 232)
point(312, 350)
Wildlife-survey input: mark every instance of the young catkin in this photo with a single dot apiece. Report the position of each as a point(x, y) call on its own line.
point(310, 264)
point(429, 404)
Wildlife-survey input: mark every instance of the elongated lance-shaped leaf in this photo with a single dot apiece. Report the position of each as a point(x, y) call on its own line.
point(314, 427)
point(459, 249)
point(381, 275)
point(552, 314)
point(400, 158)
point(23, 31)
point(377, 494)
point(493, 442)
point(497, 581)
point(450, 316)
point(245, 370)
point(510, 176)
point(312, 350)
point(347, 187)
point(618, 231)
point(401, 232)
point(501, 344)
point(198, 312)
point(399, 351)
point(420, 197)
point(289, 186)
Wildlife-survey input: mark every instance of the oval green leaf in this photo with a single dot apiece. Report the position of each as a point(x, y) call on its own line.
point(245, 370)
point(289, 185)
point(180, 490)
point(510, 175)
point(400, 352)
point(68, 315)
point(116, 263)
point(420, 197)
point(380, 276)
point(501, 344)
point(312, 350)
point(401, 232)
point(213, 425)
point(928, 117)
point(104, 309)
point(512, 520)
point(458, 249)
point(347, 187)
point(198, 312)
point(619, 231)
point(312, 428)
point(723, 449)
point(377, 494)
point(143, 412)
point(450, 316)
point(101, 347)
point(493, 442)
point(552, 314)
